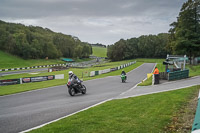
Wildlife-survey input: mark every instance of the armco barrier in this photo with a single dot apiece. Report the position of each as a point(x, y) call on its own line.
point(33, 67)
point(178, 75)
point(196, 123)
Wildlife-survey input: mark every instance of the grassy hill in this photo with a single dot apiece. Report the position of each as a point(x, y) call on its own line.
point(99, 51)
point(10, 61)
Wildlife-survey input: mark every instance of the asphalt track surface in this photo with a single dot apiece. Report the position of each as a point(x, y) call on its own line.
point(23, 111)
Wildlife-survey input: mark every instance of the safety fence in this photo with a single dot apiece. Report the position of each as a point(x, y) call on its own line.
point(196, 123)
point(30, 79)
point(33, 67)
point(178, 74)
point(94, 73)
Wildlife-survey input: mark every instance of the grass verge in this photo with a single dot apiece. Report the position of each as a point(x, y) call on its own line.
point(143, 114)
point(194, 70)
point(146, 82)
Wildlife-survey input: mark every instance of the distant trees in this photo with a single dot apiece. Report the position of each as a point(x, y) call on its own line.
point(183, 38)
point(185, 33)
point(31, 42)
point(151, 46)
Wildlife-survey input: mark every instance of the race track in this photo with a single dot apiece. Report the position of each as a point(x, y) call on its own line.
point(23, 111)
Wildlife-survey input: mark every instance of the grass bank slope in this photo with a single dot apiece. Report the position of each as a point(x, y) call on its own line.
point(99, 51)
point(10, 61)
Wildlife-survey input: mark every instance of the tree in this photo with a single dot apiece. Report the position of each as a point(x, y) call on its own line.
point(185, 34)
point(31, 42)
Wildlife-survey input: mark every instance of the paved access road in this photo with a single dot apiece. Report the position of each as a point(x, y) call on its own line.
point(23, 111)
point(168, 86)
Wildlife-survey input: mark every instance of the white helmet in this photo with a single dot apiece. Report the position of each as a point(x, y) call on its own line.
point(70, 72)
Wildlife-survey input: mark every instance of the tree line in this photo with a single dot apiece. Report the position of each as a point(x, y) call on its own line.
point(183, 38)
point(185, 32)
point(145, 46)
point(33, 42)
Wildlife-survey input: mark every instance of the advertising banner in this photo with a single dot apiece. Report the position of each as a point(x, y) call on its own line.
point(26, 80)
point(51, 77)
point(38, 79)
point(9, 82)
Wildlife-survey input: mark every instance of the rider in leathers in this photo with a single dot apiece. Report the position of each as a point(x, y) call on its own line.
point(74, 79)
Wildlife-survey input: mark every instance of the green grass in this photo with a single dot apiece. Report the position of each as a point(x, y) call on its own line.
point(194, 70)
point(143, 114)
point(10, 61)
point(99, 51)
point(11, 89)
point(146, 82)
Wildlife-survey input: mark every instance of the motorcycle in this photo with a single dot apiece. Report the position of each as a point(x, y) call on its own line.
point(123, 77)
point(75, 87)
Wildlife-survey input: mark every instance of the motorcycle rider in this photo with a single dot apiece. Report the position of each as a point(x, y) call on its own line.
point(124, 73)
point(73, 78)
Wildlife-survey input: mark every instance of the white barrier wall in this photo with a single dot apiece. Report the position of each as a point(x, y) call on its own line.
point(100, 71)
point(60, 76)
point(92, 73)
point(106, 70)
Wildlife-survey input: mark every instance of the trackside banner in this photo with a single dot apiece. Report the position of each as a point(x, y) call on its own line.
point(37, 79)
point(9, 82)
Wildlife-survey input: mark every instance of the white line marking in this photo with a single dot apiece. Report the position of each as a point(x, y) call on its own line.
point(66, 116)
point(157, 91)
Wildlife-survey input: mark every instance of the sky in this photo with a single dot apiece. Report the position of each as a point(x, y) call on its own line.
point(95, 21)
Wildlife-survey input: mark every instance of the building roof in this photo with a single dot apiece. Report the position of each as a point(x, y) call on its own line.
point(67, 60)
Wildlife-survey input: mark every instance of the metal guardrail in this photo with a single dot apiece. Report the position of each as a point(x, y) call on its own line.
point(196, 123)
point(33, 67)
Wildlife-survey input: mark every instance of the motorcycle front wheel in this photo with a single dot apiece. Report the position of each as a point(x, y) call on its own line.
point(71, 91)
point(83, 89)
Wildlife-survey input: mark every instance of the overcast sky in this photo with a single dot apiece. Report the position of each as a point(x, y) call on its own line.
point(94, 21)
